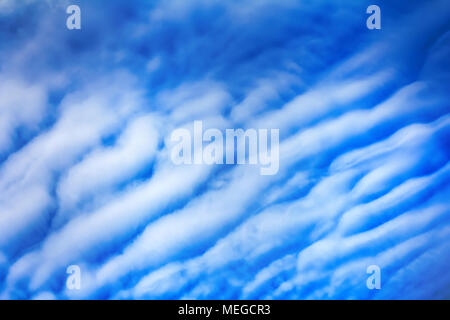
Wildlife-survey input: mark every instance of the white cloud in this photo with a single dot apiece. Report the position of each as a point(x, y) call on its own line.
point(105, 167)
point(21, 106)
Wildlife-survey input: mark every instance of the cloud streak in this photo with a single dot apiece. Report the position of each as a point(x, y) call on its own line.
point(86, 176)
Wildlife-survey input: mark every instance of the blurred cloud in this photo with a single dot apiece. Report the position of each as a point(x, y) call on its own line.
point(86, 176)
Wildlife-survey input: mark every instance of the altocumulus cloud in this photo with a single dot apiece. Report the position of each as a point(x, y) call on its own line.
point(86, 177)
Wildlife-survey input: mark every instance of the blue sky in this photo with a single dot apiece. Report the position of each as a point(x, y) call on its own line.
point(85, 175)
